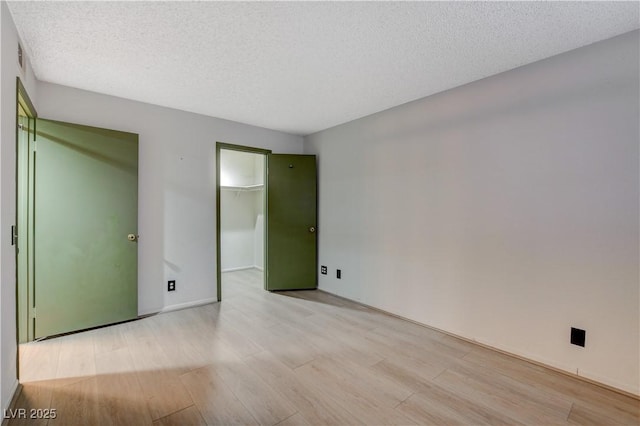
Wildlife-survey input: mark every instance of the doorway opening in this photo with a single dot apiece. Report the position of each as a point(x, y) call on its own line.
point(241, 214)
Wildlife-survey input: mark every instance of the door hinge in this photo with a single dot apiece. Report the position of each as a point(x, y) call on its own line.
point(14, 235)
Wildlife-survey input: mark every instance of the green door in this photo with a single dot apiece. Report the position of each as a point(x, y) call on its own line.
point(291, 222)
point(86, 205)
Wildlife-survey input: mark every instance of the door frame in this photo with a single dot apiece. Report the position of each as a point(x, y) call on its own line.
point(24, 290)
point(242, 148)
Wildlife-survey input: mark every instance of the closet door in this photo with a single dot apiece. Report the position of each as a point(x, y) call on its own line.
point(86, 214)
point(291, 222)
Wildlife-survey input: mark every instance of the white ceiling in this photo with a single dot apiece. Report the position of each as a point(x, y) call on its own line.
point(299, 67)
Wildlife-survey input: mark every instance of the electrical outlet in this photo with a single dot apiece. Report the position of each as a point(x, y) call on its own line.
point(171, 285)
point(578, 337)
point(338, 274)
point(323, 270)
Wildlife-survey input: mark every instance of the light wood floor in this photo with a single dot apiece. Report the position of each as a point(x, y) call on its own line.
point(293, 359)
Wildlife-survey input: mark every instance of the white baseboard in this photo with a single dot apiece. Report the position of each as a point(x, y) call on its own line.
point(176, 307)
point(259, 268)
point(148, 312)
point(186, 305)
point(241, 268)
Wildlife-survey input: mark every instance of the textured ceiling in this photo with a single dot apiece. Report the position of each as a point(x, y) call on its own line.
point(299, 67)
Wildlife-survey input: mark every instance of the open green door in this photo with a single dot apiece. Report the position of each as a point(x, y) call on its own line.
point(291, 222)
point(86, 209)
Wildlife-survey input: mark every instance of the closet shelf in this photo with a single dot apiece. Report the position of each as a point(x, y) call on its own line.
point(257, 187)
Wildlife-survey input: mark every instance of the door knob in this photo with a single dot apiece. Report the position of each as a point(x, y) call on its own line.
point(132, 237)
point(312, 229)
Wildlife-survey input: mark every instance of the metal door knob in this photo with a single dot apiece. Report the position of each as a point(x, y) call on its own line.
point(132, 237)
point(312, 229)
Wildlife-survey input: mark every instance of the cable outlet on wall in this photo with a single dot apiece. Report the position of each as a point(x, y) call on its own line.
point(578, 336)
point(171, 285)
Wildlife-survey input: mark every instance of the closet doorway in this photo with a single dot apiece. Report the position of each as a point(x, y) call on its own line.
point(241, 197)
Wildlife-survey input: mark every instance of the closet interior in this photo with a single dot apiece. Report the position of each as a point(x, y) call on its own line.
point(242, 203)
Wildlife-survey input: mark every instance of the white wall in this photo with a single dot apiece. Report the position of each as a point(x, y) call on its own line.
point(238, 168)
point(237, 210)
point(176, 185)
point(237, 230)
point(241, 230)
point(9, 70)
point(504, 211)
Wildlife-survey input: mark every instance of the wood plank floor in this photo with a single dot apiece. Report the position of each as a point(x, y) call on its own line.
point(295, 358)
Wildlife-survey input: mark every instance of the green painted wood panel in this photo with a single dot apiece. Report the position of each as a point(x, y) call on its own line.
point(86, 203)
point(291, 217)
